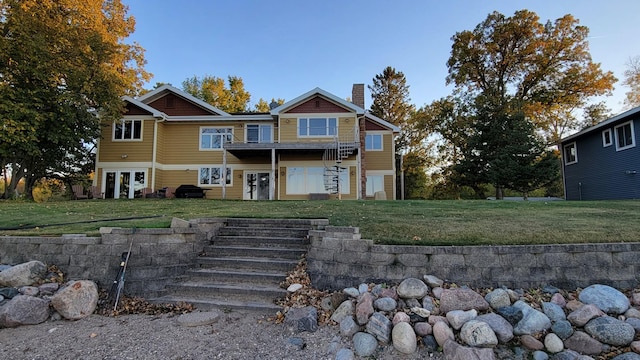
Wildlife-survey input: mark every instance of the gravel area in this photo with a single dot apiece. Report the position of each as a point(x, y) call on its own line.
point(234, 335)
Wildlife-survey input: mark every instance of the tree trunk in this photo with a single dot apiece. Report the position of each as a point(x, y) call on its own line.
point(499, 192)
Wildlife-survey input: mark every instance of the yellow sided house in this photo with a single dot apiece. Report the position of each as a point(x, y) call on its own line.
point(316, 146)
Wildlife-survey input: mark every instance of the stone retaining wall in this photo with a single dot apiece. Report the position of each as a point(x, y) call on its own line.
point(339, 258)
point(158, 256)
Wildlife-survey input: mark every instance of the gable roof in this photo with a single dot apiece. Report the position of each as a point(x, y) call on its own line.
point(382, 122)
point(608, 122)
point(154, 112)
point(159, 92)
point(317, 91)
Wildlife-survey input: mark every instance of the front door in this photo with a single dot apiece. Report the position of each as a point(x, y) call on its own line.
point(124, 184)
point(256, 186)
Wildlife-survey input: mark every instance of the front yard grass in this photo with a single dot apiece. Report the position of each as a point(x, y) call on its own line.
point(482, 222)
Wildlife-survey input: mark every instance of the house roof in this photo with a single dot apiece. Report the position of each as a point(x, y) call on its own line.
point(384, 123)
point(317, 91)
point(154, 112)
point(608, 122)
point(159, 92)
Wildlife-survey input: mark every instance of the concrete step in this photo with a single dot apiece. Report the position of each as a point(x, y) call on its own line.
point(237, 276)
point(279, 223)
point(258, 264)
point(261, 241)
point(246, 291)
point(247, 231)
point(222, 304)
point(256, 252)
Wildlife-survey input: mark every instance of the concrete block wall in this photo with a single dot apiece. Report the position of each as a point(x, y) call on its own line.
point(339, 258)
point(158, 256)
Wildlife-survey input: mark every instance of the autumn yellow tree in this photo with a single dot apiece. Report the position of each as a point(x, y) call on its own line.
point(213, 90)
point(64, 66)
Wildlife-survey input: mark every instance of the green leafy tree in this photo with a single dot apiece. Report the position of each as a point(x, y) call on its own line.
point(594, 114)
point(632, 80)
point(213, 90)
point(64, 65)
point(538, 65)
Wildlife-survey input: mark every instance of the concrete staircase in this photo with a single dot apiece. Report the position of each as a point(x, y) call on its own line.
point(243, 265)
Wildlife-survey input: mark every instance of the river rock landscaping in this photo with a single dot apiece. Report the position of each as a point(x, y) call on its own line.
point(416, 316)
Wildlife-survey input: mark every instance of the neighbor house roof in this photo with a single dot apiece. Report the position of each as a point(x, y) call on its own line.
point(603, 124)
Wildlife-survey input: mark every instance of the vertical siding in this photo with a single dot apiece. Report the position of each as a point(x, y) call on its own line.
point(601, 172)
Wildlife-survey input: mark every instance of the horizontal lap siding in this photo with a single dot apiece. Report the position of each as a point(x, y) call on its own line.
point(112, 151)
point(601, 172)
point(182, 146)
point(381, 160)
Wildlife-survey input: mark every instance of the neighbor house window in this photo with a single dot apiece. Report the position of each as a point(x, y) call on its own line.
point(570, 154)
point(624, 136)
point(259, 133)
point(317, 126)
point(212, 176)
point(375, 183)
point(606, 138)
point(127, 130)
point(373, 142)
point(311, 180)
point(214, 138)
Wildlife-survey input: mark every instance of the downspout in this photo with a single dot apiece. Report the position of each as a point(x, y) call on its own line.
point(223, 176)
point(272, 181)
point(95, 171)
point(154, 155)
point(361, 157)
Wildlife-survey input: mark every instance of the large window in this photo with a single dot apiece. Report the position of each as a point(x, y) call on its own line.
point(317, 126)
point(570, 154)
point(259, 133)
point(375, 183)
point(127, 130)
point(373, 142)
point(214, 138)
point(624, 136)
point(311, 180)
point(212, 176)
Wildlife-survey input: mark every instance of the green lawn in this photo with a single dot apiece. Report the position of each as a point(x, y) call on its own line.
point(392, 222)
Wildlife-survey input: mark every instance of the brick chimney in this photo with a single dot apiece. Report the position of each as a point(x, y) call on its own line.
point(357, 95)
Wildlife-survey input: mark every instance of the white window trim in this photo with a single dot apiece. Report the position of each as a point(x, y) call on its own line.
point(633, 136)
point(229, 169)
point(564, 153)
point(381, 141)
point(604, 139)
point(113, 131)
point(318, 117)
point(260, 126)
point(211, 127)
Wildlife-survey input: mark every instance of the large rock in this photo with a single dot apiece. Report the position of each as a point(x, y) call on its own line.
point(22, 274)
point(583, 314)
point(563, 329)
point(23, 310)
point(499, 325)
point(364, 344)
point(605, 298)
point(364, 308)
point(627, 356)
point(552, 343)
point(457, 318)
point(385, 304)
point(404, 338)
point(462, 299)
point(583, 343)
point(511, 313)
point(345, 309)
point(498, 298)
point(412, 288)
point(380, 327)
point(455, 351)
point(533, 321)
point(77, 300)
point(302, 319)
point(442, 333)
point(553, 311)
point(610, 331)
point(478, 334)
point(348, 327)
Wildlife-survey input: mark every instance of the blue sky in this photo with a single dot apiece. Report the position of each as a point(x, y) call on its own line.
point(283, 49)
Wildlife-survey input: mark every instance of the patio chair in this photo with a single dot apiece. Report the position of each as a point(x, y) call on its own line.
point(95, 193)
point(170, 192)
point(78, 192)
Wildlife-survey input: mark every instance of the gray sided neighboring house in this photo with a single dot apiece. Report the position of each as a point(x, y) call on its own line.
point(603, 162)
